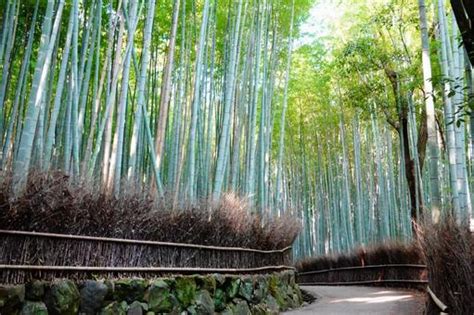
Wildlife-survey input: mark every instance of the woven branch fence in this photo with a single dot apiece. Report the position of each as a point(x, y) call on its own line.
point(29, 255)
point(406, 275)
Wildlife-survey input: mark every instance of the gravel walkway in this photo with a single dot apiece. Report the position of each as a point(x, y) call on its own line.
point(362, 300)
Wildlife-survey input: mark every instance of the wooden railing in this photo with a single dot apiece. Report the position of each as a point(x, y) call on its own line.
point(25, 255)
point(442, 307)
point(391, 274)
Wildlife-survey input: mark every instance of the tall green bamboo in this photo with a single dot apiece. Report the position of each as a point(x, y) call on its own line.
point(433, 149)
point(48, 38)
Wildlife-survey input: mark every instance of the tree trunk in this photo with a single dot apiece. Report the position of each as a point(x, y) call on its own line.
point(402, 129)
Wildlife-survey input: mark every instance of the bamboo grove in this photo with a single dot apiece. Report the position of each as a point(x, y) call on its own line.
point(177, 95)
point(394, 120)
point(196, 98)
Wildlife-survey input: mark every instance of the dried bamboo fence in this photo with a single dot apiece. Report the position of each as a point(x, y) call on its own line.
point(405, 275)
point(30, 255)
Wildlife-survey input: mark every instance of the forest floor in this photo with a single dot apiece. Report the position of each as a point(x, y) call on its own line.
point(362, 300)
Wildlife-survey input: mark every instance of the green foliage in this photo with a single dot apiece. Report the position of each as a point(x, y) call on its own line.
point(185, 290)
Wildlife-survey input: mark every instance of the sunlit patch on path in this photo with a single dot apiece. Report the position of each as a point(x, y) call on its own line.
point(381, 299)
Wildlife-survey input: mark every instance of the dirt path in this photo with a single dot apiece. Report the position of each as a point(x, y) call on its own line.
point(362, 300)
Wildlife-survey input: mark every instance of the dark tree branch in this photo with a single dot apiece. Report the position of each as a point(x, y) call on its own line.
point(422, 139)
point(441, 133)
point(464, 13)
point(390, 119)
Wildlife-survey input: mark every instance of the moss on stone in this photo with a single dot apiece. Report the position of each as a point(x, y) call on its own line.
point(160, 298)
point(34, 291)
point(34, 308)
point(233, 285)
point(137, 308)
point(63, 298)
point(275, 287)
point(241, 307)
point(130, 289)
point(229, 310)
point(207, 282)
point(220, 279)
point(185, 290)
point(219, 299)
point(297, 291)
point(260, 289)
point(93, 294)
point(11, 298)
point(259, 309)
point(208, 294)
point(204, 303)
point(246, 289)
point(272, 304)
point(115, 308)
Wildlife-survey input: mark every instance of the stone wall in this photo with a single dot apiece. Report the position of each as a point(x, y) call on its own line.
point(206, 294)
